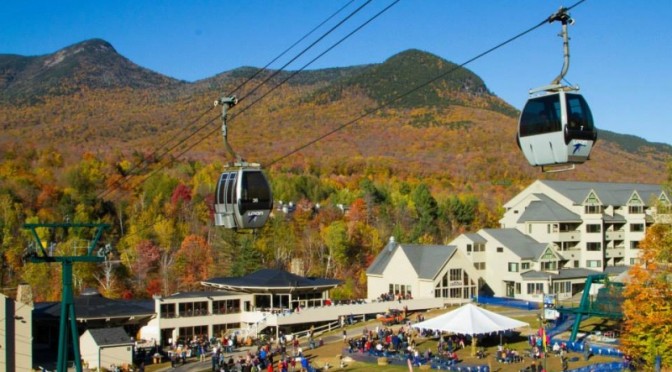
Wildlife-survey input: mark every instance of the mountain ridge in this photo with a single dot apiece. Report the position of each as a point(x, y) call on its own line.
point(104, 100)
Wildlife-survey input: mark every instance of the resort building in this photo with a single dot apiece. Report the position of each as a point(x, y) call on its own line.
point(16, 325)
point(246, 305)
point(552, 236)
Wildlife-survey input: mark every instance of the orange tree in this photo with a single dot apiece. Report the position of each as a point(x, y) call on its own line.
point(648, 299)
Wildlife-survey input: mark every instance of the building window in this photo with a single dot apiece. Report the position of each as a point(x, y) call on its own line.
point(518, 288)
point(500, 249)
point(226, 307)
point(189, 333)
point(593, 228)
point(525, 266)
point(562, 287)
point(636, 209)
point(549, 266)
point(193, 308)
point(535, 288)
point(469, 248)
point(593, 263)
point(168, 311)
point(479, 265)
point(513, 267)
point(636, 227)
point(455, 274)
point(593, 209)
point(594, 246)
point(479, 247)
point(634, 244)
point(576, 264)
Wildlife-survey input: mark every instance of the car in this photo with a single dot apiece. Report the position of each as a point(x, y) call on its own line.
point(393, 316)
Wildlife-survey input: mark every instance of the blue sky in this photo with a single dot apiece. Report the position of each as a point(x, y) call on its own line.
point(621, 51)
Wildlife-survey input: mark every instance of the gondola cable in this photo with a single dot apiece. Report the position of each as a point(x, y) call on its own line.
point(134, 169)
point(272, 89)
point(402, 95)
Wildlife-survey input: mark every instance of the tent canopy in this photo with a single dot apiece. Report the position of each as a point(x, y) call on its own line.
point(470, 319)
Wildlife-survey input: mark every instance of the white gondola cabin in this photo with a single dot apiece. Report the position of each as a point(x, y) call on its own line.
point(556, 128)
point(243, 198)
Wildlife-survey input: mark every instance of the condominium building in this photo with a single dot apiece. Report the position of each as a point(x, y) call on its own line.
point(552, 236)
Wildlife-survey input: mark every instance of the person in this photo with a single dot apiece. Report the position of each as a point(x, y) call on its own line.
point(305, 364)
point(345, 335)
point(586, 351)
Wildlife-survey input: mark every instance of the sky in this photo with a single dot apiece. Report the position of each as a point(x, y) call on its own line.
point(621, 50)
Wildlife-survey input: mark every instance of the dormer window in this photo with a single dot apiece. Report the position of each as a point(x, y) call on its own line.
point(593, 209)
point(636, 209)
point(592, 204)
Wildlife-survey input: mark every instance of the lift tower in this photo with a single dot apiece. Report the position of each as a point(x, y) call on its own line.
point(38, 254)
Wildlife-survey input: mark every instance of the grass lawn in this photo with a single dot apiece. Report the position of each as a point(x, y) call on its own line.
point(329, 353)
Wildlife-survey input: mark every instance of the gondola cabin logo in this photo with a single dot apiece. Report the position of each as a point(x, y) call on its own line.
point(578, 146)
point(252, 215)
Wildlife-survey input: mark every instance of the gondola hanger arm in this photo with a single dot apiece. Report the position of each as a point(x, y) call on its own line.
point(227, 102)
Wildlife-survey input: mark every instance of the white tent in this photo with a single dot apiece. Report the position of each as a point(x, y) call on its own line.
point(471, 320)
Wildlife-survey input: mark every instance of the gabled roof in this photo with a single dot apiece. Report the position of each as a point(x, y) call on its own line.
point(380, 262)
point(427, 260)
point(520, 244)
point(270, 280)
point(110, 336)
point(474, 237)
point(610, 193)
point(546, 209)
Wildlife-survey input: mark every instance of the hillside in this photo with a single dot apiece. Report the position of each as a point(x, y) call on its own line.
point(90, 136)
point(87, 97)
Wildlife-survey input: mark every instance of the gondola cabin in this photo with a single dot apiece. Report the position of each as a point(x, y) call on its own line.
point(555, 129)
point(243, 199)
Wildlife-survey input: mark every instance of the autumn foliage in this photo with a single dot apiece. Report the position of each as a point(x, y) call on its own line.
point(648, 304)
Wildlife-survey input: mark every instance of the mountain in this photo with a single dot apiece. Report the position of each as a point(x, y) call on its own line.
point(415, 78)
point(92, 64)
point(415, 114)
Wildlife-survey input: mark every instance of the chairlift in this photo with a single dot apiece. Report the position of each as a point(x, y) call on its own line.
point(243, 198)
point(556, 129)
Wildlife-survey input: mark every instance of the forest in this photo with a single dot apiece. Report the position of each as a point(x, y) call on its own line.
point(98, 139)
point(164, 240)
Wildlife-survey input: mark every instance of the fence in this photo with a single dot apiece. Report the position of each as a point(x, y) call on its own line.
point(508, 302)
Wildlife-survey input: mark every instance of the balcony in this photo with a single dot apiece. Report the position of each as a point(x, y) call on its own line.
point(567, 236)
point(614, 235)
point(614, 252)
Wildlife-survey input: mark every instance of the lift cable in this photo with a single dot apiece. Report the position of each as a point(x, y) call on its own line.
point(135, 169)
point(416, 88)
point(272, 89)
